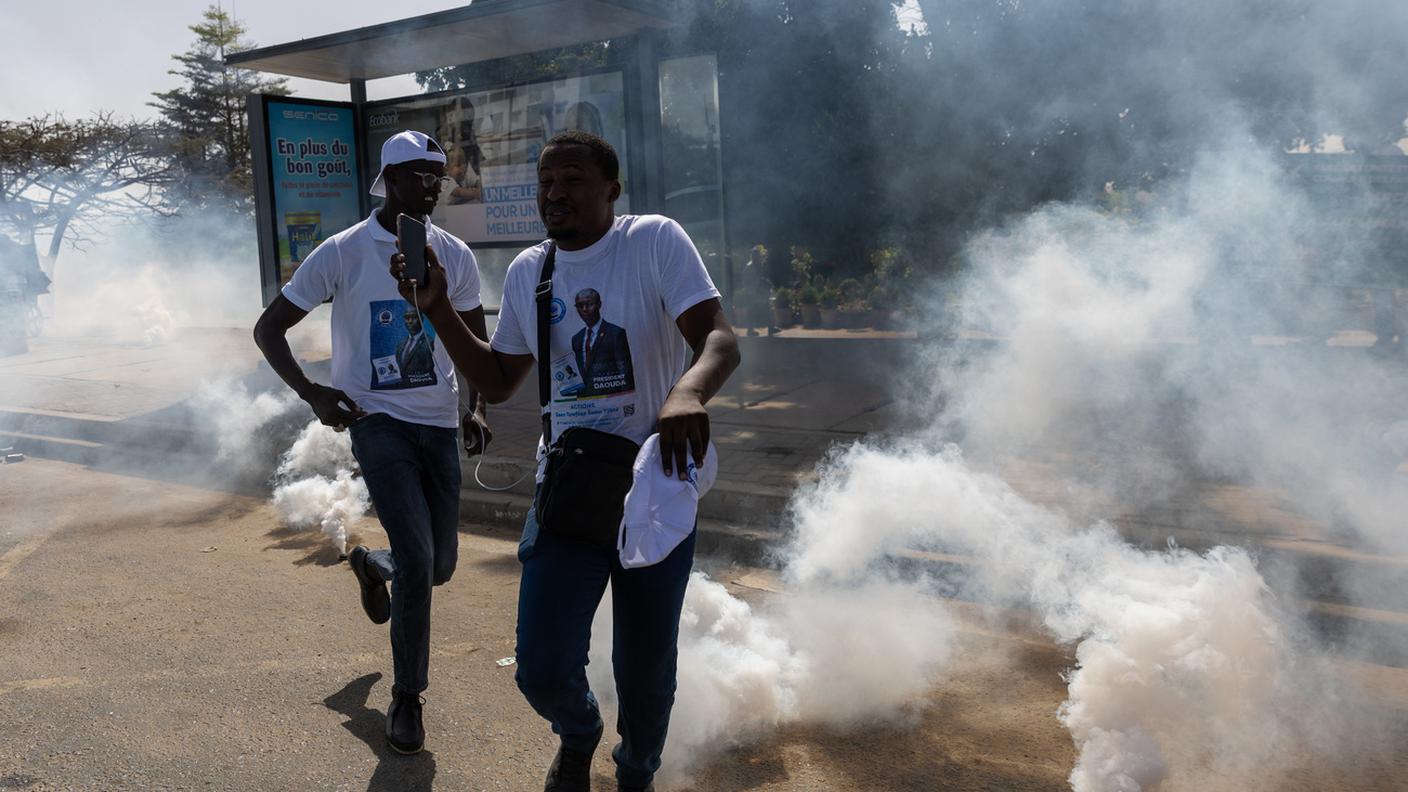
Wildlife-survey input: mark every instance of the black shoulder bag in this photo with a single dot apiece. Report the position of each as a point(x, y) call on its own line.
point(588, 471)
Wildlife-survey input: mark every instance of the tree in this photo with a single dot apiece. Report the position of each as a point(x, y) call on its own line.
point(208, 120)
point(61, 178)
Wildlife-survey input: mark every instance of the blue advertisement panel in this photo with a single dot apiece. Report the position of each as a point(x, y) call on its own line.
point(313, 170)
point(492, 139)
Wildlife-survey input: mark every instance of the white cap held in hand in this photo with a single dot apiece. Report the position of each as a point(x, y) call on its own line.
point(661, 510)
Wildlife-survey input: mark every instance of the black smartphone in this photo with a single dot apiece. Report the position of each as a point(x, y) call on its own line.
point(411, 234)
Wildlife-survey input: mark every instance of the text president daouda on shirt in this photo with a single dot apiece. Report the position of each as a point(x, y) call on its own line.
point(602, 350)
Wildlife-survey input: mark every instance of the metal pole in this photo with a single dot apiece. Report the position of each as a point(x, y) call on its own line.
point(648, 69)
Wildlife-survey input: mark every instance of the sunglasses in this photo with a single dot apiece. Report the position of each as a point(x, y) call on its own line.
point(428, 180)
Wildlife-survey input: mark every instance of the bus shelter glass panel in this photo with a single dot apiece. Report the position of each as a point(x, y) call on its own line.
point(689, 115)
point(492, 140)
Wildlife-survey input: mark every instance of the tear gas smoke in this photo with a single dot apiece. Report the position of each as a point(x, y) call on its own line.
point(139, 283)
point(98, 292)
point(1129, 352)
point(238, 416)
point(317, 486)
point(833, 654)
point(1126, 359)
point(1177, 654)
point(316, 483)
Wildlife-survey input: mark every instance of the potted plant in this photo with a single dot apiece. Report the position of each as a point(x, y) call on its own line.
point(810, 299)
point(829, 297)
point(742, 308)
point(855, 314)
point(882, 298)
point(852, 304)
point(783, 307)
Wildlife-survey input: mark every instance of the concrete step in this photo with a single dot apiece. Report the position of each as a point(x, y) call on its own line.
point(737, 503)
point(151, 434)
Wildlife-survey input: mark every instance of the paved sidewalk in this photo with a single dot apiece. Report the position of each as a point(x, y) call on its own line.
point(83, 399)
point(131, 409)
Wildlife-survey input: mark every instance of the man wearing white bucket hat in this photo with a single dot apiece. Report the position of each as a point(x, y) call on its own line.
point(404, 420)
point(643, 275)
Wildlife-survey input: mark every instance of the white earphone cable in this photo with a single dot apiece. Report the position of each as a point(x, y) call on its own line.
point(483, 444)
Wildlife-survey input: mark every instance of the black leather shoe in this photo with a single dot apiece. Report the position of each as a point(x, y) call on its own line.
point(403, 723)
point(570, 772)
point(375, 601)
point(627, 788)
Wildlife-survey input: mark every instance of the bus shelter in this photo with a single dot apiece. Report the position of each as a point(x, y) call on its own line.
point(315, 160)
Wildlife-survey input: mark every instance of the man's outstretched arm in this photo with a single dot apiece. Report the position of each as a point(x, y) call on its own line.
point(496, 375)
point(333, 407)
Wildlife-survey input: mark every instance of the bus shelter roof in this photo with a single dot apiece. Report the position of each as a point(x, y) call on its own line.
point(481, 31)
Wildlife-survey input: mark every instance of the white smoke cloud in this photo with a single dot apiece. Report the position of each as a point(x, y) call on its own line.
point(142, 283)
point(318, 485)
point(238, 416)
point(1176, 652)
point(1127, 367)
point(317, 482)
point(1131, 339)
point(829, 655)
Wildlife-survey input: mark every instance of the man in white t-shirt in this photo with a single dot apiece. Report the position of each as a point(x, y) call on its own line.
point(644, 277)
point(395, 387)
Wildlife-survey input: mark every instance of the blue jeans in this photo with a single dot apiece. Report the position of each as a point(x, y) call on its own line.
point(412, 472)
point(563, 582)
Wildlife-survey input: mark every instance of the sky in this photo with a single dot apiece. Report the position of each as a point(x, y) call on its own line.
point(86, 55)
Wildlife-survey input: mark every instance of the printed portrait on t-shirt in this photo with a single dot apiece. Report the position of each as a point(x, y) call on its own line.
point(600, 350)
point(402, 347)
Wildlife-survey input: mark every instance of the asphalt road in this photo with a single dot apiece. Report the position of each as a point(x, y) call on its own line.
point(155, 636)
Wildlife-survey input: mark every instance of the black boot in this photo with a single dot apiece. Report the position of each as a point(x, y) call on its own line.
point(375, 601)
point(570, 772)
point(403, 723)
point(628, 788)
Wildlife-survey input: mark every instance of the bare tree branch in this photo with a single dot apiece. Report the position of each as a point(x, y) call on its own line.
point(58, 178)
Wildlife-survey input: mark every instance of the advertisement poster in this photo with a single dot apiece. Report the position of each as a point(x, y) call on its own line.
point(313, 160)
point(492, 140)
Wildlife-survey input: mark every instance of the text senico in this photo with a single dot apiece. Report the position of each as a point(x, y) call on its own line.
point(311, 115)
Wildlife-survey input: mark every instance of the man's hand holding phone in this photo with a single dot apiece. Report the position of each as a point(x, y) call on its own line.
point(424, 293)
point(411, 242)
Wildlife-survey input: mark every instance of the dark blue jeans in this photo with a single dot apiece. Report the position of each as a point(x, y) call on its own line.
point(412, 472)
point(563, 582)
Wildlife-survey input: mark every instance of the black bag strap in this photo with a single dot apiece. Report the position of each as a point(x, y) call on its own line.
point(544, 299)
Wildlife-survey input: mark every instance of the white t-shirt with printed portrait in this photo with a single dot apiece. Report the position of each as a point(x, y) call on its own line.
point(616, 350)
point(385, 355)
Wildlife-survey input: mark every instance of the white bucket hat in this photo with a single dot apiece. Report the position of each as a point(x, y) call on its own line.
point(660, 509)
point(405, 147)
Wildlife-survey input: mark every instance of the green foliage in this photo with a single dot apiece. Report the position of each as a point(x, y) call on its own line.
point(207, 119)
point(808, 294)
point(784, 298)
point(890, 264)
point(801, 265)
